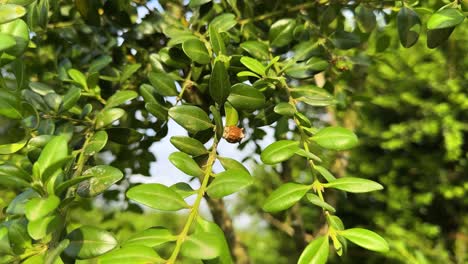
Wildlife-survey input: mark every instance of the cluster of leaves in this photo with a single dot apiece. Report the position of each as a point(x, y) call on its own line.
point(209, 67)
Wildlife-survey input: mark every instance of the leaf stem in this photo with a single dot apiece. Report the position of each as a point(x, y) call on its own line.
point(194, 210)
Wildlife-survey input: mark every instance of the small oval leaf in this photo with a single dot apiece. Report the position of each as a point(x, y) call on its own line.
point(186, 164)
point(354, 185)
point(188, 145)
point(88, 242)
point(366, 239)
point(190, 117)
point(157, 196)
point(279, 151)
point(285, 196)
point(228, 182)
point(316, 252)
point(335, 138)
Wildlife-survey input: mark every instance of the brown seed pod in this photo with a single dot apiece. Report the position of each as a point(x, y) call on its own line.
point(233, 134)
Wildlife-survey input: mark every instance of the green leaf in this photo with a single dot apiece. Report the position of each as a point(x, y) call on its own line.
point(257, 49)
point(12, 176)
point(346, 40)
point(232, 116)
point(10, 12)
point(219, 85)
point(16, 206)
point(196, 50)
point(409, 26)
point(354, 185)
point(151, 237)
point(4, 241)
point(108, 116)
point(186, 164)
point(157, 110)
point(281, 32)
point(37, 208)
point(247, 74)
point(124, 135)
point(366, 239)
point(53, 100)
point(20, 31)
point(254, 65)
point(128, 71)
point(335, 138)
point(279, 151)
point(217, 42)
point(202, 245)
point(224, 22)
point(218, 121)
point(6, 42)
point(312, 95)
point(66, 184)
point(245, 97)
point(100, 63)
point(285, 196)
point(197, 3)
point(131, 255)
point(88, 242)
point(445, 18)
point(53, 255)
point(366, 18)
point(78, 77)
point(41, 227)
point(316, 252)
point(190, 117)
point(13, 147)
point(55, 151)
point(232, 164)
point(308, 155)
point(325, 173)
point(212, 228)
point(307, 69)
point(120, 97)
point(70, 98)
point(104, 176)
point(285, 109)
point(437, 37)
point(188, 145)
point(157, 196)
point(184, 189)
point(314, 199)
point(96, 143)
point(8, 109)
point(163, 83)
point(229, 182)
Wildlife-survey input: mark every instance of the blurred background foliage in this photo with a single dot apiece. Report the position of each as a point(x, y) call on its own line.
point(408, 107)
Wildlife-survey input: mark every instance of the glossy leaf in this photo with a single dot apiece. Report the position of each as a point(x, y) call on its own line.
point(41, 227)
point(209, 227)
point(232, 115)
point(96, 143)
point(409, 26)
point(314, 199)
point(6, 149)
point(254, 65)
point(131, 255)
point(366, 18)
point(445, 18)
point(346, 40)
point(70, 98)
point(37, 208)
point(184, 189)
point(9, 109)
point(104, 176)
point(316, 252)
point(281, 32)
point(157, 110)
point(120, 97)
point(257, 49)
point(285, 196)
point(232, 164)
point(53, 152)
point(163, 83)
point(190, 117)
point(128, 71)
point(217, 42)
point(279, 151)
point(157, 196)
point(354, 185)
point(16, 206)
point(108, 116)
point(325, 173)
point(53, 255)
point(245, 97)
point(196, 50)
point(6, 41)
point(285, 109)
point(202, 245)
point(229, 182)
point(14, 177)
point(78, 77)
point(88, 242)
point(312, 95)
point(437, 37)
point(366, 239)
point(219, 85)
point(151, 237)
point(188, 145)
point(224, 22)
point(20, 31)
point(335, 138)
point(10, 12)
point(186, 164)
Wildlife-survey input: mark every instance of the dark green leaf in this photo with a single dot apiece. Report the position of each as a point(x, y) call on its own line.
point(53, 255)
point(88, 242)
point(316, 252)
point(346, 40)
point(281, 32)
point(123, 135)
point(157, 110)
point(120, 97)
point(409, 26)
point(70, 98)
point(157, 196)
point(163, 83)
point(197, 3)
point(220, 85)
point(9, 109)
point(354, 185)
point(66, 184)
point(366, 18)
point(285, 196)
point(228, 182)
point(186, 164)
point(217, 42)
point(279, 151)
point(245, 97)
point(78, 77)
point(438, 36)
point(335, 138)
point(188, 145)
point(257, 49)
point(190, 117)
point(128, 71)
point(104, 176)
point(445, 18)
point(366, 239)
point(285, 109)
point(196, 50)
